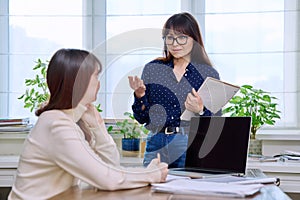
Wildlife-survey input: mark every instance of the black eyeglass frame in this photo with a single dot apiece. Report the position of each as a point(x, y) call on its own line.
point(175, 38)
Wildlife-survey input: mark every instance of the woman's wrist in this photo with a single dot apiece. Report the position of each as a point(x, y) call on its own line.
point(139, 95)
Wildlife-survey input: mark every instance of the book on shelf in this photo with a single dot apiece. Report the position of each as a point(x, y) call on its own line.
point(16, 128)
point(14, 121)
point(15, 125)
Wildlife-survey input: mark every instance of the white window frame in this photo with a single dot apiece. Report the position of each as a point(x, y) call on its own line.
point(4, 58)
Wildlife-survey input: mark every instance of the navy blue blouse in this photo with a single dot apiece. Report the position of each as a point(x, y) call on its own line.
point(165, 96)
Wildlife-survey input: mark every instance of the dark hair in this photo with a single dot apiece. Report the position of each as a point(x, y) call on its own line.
point(186, 24)
point(68, 75)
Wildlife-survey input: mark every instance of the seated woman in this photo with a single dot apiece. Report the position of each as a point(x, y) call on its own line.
point(70, 142)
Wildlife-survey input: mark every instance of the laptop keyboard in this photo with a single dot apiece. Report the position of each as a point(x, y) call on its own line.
point(200, 171)
point(255, 173)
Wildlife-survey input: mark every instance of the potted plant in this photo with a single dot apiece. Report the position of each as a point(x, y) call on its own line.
point(256, 103)
point(132, 132)
point(37, 92)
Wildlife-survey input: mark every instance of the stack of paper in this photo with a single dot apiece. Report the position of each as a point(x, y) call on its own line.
point(194, 187)
point(289, 156)
point(292, 153)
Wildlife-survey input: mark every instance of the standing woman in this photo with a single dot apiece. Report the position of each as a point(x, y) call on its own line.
point(168, 86)
point(70, 140)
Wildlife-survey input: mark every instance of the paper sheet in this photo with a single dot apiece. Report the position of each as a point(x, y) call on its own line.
point(215, 94)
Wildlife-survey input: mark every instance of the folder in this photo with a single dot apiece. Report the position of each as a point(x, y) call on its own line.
point(230, 186)
point(195, 187)
point(215, 95)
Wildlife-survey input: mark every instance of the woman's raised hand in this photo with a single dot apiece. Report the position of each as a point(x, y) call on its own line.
point(137, 85)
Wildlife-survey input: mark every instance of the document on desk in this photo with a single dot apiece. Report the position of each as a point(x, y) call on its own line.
point(215, 95)
point(242, 180)
point(194, 187)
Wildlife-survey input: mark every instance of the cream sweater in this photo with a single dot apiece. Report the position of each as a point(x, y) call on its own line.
point(56, 153)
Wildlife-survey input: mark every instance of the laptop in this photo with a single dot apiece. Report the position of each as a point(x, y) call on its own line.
point(217, 146)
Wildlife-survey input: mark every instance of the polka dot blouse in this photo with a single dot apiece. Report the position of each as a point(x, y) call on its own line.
point(165, 96)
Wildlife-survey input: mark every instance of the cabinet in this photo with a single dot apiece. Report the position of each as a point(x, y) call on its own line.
point(9, 164)
point(288, 172)
point(8, 167)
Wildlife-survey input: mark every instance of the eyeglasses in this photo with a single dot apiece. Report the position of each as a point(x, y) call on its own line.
point(181, 40)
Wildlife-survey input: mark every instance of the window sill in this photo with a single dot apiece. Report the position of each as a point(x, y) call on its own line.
point(278, 135)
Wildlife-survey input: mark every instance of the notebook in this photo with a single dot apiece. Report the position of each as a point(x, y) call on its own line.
point(216, 146)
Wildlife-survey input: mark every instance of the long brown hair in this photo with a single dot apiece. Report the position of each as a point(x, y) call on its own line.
point(68, 76)
point(186, 24)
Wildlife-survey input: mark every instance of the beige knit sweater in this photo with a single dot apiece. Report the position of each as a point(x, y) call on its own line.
point(55, 154)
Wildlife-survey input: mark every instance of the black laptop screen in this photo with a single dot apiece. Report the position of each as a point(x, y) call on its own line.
point(218, 143)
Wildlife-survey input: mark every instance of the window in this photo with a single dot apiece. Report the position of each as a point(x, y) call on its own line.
point(249, 42)
point(133, 39)
point(32, 30)
point(253, 42)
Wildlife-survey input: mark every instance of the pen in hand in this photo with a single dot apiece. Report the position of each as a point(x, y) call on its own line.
point(163, 168)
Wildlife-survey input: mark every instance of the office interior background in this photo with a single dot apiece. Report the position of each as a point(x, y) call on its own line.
point(248, 41)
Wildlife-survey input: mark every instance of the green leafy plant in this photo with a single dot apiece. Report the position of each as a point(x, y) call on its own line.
point(256, 103)
point(130, 128)
point(98, 107)
point(37, 92)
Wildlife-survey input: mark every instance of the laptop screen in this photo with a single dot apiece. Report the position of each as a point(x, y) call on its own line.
point(218, 144)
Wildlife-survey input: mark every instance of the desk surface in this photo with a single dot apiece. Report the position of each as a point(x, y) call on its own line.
point(269, 192)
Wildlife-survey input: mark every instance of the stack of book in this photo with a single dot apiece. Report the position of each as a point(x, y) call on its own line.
point(15, 125)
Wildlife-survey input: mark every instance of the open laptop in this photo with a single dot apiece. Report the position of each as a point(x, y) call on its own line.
point(216, 146)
